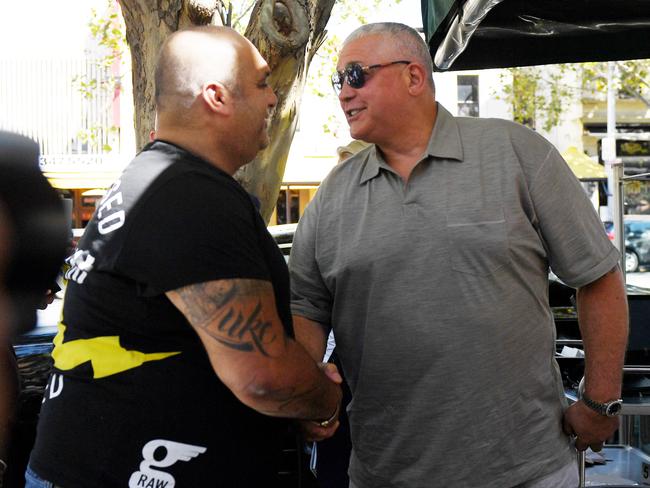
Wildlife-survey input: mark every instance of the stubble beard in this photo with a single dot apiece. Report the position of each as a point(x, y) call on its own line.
point(265, 137)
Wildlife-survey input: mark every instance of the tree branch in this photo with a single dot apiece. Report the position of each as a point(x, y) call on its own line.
point(285, 24)
point(243, 14)
point(636, 94)
point(200, 12)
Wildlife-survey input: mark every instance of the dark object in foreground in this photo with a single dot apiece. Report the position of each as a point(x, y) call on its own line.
point(39, 231)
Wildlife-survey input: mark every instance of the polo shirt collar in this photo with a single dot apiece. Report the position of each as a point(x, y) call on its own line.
point(373, 162)
point(444, 143)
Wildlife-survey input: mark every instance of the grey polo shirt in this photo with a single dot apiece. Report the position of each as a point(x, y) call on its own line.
point(437, 291)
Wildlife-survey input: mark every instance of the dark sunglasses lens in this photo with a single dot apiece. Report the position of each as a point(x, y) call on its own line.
point(337, 81)
point(355, 76)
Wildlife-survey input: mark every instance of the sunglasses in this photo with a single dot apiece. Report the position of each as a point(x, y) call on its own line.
point(355, 74)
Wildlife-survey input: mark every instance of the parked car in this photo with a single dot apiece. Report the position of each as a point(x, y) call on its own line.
point(283, 235)
point(637, 241)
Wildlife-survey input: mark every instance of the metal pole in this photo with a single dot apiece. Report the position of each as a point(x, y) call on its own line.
point(608, 145)
point(619, 234)
point(613, 167)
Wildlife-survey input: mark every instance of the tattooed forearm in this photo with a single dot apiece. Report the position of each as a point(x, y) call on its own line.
point(297, 399)
point(295, 402)
point(278, 377)
point(230, 311)
point(245, 334)
point(200, 302)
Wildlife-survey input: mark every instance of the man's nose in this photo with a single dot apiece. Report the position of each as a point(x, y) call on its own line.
point(273, 99)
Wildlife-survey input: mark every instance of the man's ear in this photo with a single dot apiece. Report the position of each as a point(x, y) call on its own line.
point(417, 79)
point(217, 98)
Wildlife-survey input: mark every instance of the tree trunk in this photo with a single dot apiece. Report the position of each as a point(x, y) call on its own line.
point(148, 23)
point(287, 33)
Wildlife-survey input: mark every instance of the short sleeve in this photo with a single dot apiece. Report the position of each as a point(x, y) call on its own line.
point(310, 297)
point(579, 250)
point(194, 228)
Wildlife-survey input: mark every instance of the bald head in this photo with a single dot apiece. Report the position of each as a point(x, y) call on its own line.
point(404, 39)
point(190, 58)
point(213, 96)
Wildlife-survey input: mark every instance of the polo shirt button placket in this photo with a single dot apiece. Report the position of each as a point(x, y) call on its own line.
point(410, 209)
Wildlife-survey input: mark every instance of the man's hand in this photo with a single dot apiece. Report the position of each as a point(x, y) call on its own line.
point(311, 431)
point(47, 299)
point(590, 428)
point(331, 371)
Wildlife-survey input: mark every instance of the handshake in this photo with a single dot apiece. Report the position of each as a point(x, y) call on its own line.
point(314, 430)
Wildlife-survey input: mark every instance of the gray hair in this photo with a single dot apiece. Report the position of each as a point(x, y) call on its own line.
point(407, 39)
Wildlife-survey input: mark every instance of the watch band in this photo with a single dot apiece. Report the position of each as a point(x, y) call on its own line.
point(329, 421)
point(607, 409)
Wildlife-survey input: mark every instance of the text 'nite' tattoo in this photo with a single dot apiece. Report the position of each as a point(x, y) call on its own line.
point(238, 329)
point(230, 311)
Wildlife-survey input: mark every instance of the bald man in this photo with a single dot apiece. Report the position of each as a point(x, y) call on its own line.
point(428, 255)
point(175, 360)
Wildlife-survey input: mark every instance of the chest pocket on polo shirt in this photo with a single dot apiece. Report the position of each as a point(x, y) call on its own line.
point(478, 241)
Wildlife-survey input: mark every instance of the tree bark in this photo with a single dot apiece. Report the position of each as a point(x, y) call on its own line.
point(148, 23)
point(287, 33)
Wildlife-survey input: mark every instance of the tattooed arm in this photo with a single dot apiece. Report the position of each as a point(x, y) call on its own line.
point(603, 319)
point(238, 323)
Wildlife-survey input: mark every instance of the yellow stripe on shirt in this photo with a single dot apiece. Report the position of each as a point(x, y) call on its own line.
point(105, 353)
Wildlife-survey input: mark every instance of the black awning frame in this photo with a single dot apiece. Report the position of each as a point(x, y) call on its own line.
point(478, 34)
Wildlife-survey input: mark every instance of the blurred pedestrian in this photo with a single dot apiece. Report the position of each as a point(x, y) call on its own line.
point(33, 233)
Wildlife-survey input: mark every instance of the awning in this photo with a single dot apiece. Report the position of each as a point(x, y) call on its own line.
point(478, 34)
point(81, 179)
point(308, 170)
point(583, 166)
point(83, 171)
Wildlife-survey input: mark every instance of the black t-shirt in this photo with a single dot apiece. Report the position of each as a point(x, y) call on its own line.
point(133, 400)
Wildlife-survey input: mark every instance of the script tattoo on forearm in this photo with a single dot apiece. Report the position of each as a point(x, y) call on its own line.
point(243, 333)
point(230, 311)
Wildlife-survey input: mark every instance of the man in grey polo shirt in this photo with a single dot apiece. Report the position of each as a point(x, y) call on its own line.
point(428, 255)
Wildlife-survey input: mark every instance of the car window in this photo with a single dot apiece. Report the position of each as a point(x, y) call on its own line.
point(636, 227)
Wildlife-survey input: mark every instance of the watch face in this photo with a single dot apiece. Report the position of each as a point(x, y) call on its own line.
point(613, 409)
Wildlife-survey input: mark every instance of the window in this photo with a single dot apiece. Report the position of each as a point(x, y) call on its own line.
point(288, 206)
point(468, 96)
point(635, 155)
